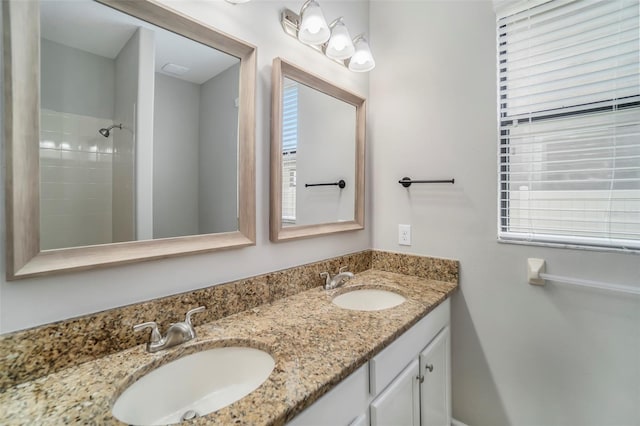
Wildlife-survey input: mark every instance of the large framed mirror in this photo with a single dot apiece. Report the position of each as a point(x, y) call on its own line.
point(129, 135)
point(317, 155)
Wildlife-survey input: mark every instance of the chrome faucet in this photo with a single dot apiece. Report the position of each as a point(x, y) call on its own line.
point(177, 333)
point(337, 280)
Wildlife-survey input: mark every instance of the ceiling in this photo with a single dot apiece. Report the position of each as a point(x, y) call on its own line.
point(98, 29)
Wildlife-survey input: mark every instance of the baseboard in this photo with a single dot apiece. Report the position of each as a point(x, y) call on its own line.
point(455, 422)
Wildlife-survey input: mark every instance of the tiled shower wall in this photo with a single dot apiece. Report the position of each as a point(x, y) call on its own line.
point(75, 180)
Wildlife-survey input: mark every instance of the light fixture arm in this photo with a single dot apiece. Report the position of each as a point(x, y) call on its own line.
point(305, 6)
point(290, 22)
point(335, 22)
point(359, 37)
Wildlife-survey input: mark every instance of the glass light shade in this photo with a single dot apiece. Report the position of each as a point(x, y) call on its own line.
point(340, 45)
point(313, 28)
point(362, 60)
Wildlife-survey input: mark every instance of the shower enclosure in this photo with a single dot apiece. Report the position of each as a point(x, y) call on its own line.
point(87, 143)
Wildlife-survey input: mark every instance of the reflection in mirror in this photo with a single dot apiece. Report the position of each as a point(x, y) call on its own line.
point(138, 136)
point(318, 151)
point(317, 156)
point(129, 135)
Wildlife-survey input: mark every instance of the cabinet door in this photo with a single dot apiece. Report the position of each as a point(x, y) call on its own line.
point(340, 406)
point(435, 392)
point(361, 420)
point(399, 403)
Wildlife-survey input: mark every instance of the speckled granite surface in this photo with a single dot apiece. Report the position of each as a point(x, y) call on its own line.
point(420, 266)
point(33, 353)
point(315, 345)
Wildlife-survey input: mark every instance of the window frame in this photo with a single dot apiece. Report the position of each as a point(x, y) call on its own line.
point(504, 234)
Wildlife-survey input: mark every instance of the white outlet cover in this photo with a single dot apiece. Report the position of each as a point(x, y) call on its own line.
point(404, 235)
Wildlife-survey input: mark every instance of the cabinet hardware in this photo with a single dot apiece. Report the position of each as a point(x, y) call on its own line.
point(420, 379)
point(429, 367)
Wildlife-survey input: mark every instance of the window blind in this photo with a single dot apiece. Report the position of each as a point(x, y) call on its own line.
point(569, 149)
point(289, 148)
point(290, 118)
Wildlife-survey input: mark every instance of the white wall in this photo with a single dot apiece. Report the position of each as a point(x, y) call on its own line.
point(176, 138)
point(325, 153)
point(123, 203)
point(30, 302)
point(218, 152)
point(76, 81)
point(143, 134)
point(522, 355)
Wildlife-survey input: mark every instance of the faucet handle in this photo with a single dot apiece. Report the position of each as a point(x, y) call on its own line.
point(342, 269)
point(326, 276)
point(155, 333)
point(193, 311)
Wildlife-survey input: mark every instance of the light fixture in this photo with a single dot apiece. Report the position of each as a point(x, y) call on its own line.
point(362, 60)
point(340, 46)
point(333, 40)
point(237, 1)
point(313, 27)
point(174, 69)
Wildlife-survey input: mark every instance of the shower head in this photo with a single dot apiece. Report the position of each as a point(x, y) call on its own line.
point(107, 131)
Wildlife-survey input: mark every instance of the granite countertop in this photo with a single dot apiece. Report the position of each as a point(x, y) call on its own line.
point(314, 343)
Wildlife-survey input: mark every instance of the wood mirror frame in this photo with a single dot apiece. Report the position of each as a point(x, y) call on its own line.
point(22, 129)
point(281, 70)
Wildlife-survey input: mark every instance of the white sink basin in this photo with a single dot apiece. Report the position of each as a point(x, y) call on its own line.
point(368, 300)
point(196, 384)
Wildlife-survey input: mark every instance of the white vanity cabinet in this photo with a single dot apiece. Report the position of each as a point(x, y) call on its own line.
point(346, 404)
point(399, 404)
point(426, 345)
point(421, 394)
point(406, 384)
point(435, 389)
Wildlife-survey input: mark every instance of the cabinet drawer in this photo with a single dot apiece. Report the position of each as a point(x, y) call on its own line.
point(385, 366)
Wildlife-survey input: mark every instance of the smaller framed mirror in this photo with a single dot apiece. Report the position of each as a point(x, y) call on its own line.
point(317, 156)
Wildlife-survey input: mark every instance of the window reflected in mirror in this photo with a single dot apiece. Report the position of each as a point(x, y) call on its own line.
point(289, 150)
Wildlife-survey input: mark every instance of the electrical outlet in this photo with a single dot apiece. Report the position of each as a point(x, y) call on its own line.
point(404, 235)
